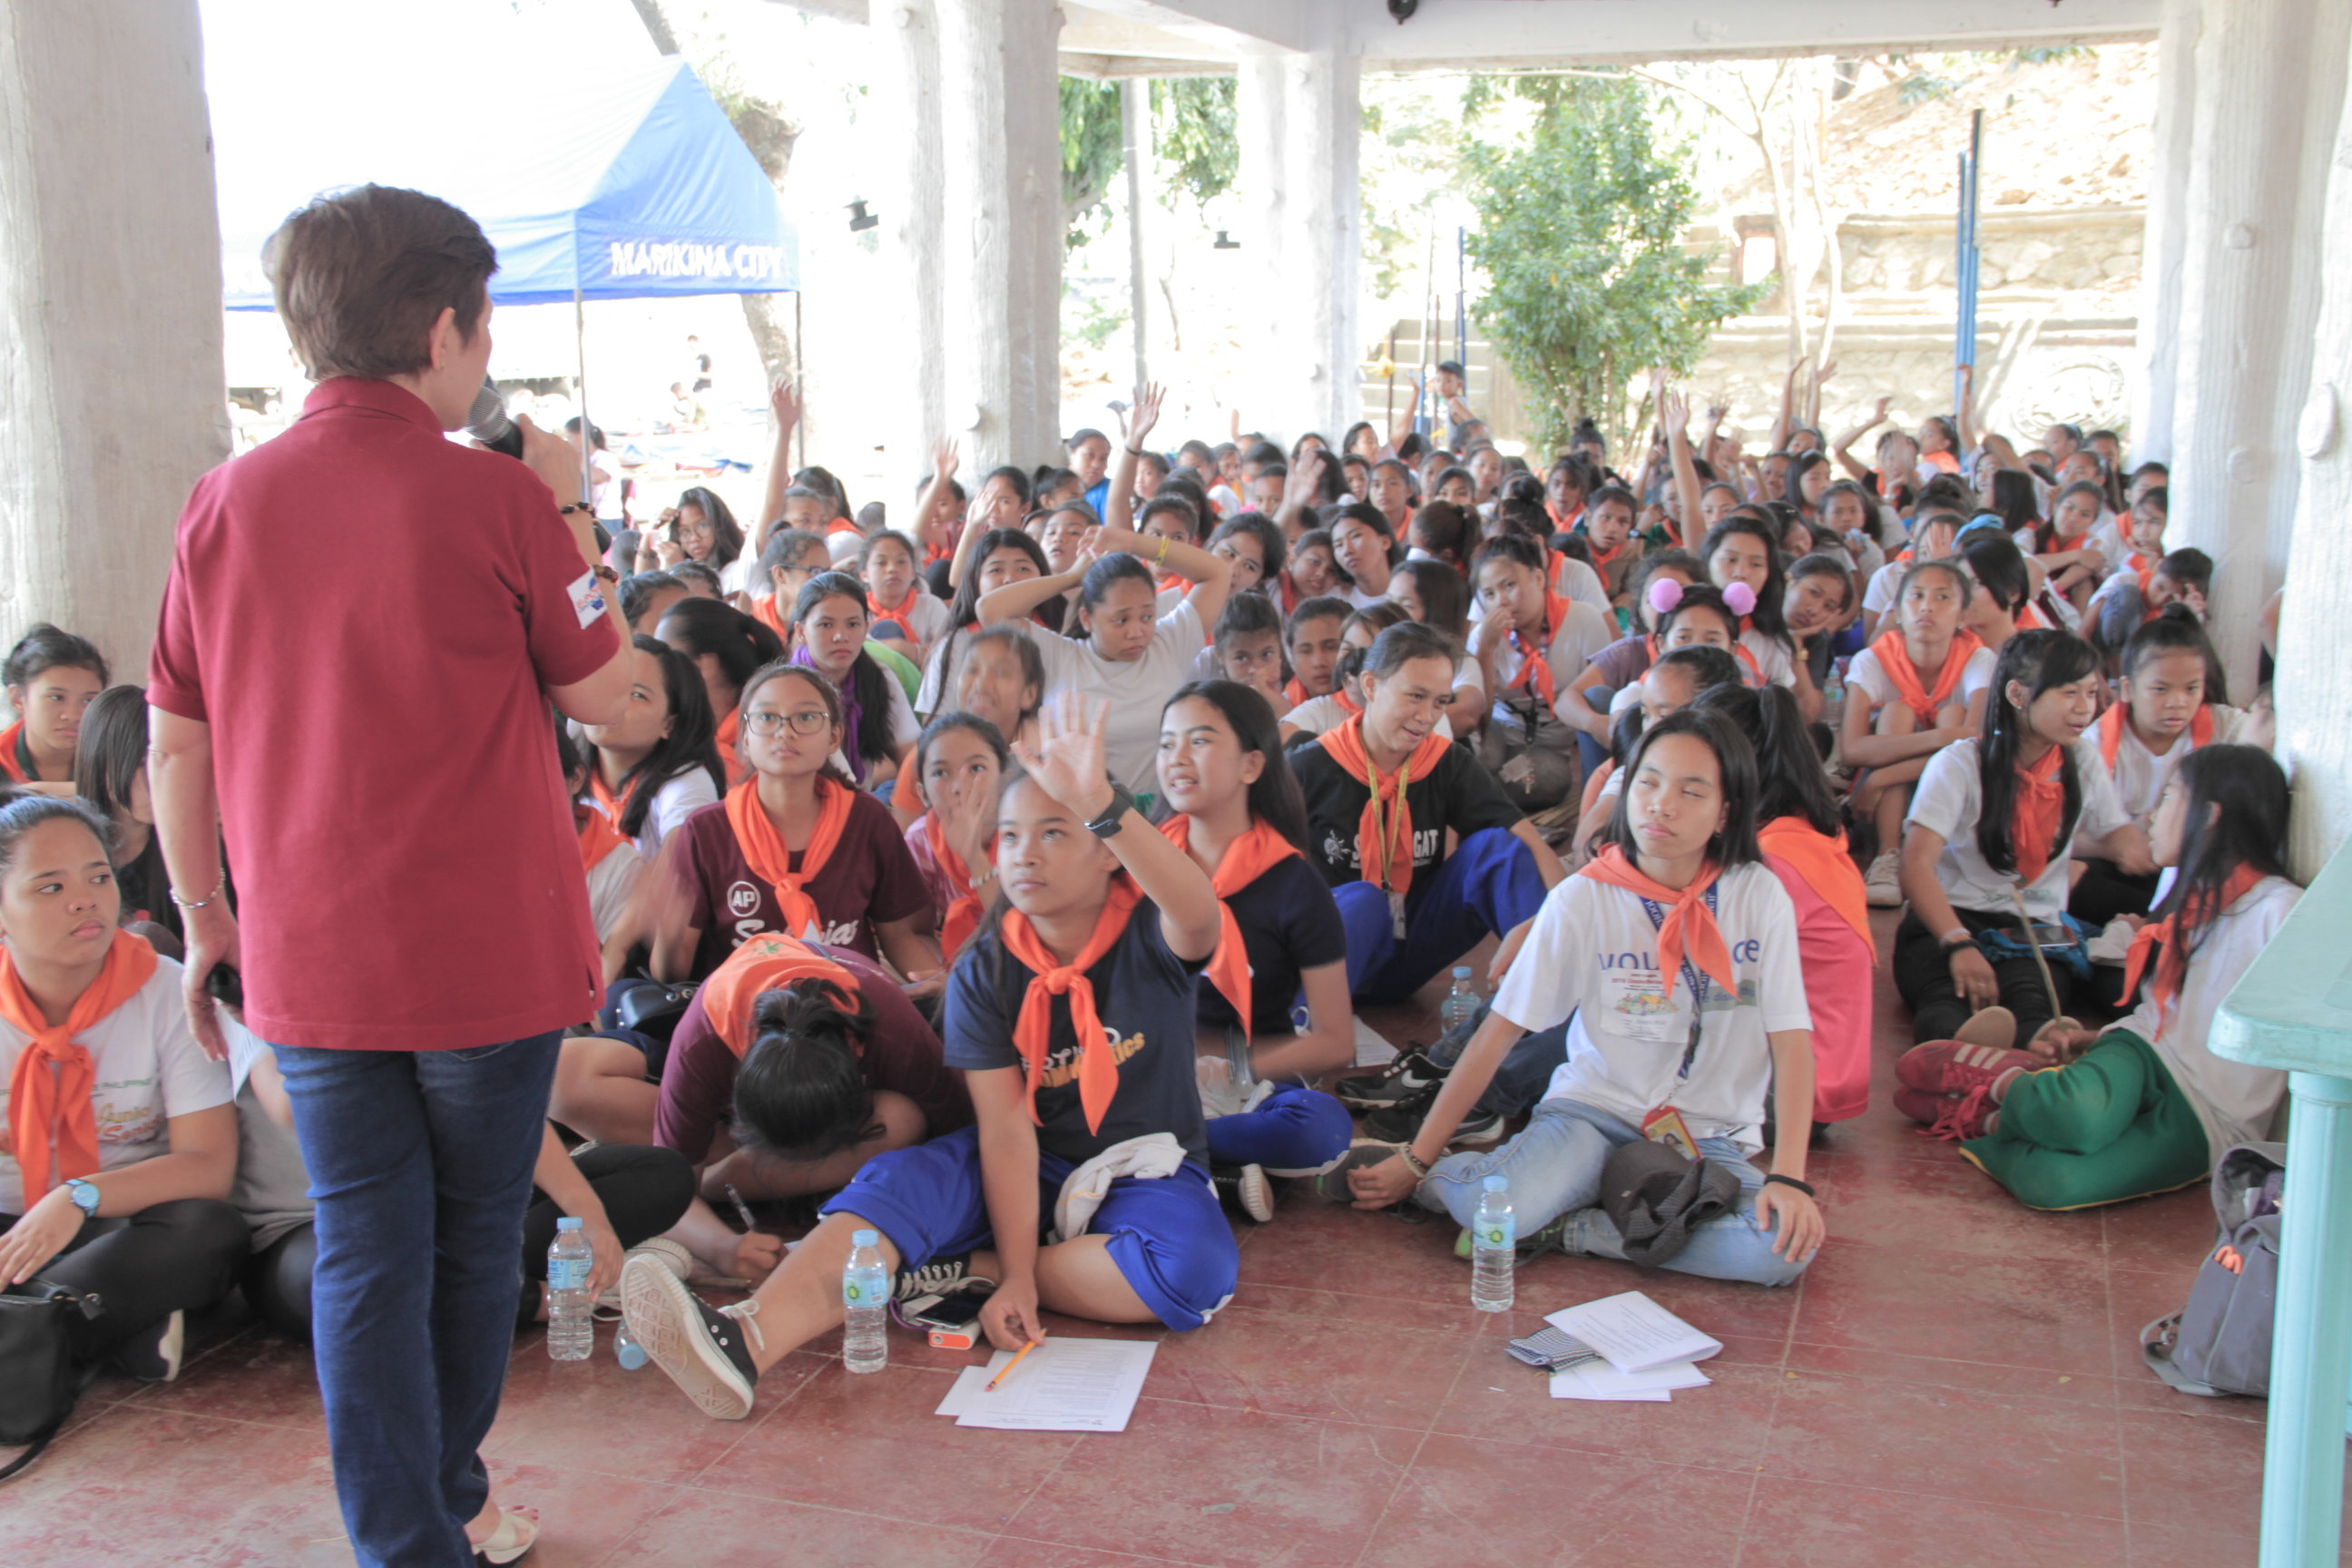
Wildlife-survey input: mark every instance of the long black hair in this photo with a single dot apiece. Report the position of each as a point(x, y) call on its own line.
point(727, 540)
point(692, 742)
point(2013, 500)
point(1735, 760)
point(739, 643)
point(2237, 816)
point(800, 1091)
point(45, 648)
point(108, 758)
point(1794, 783)
point(1275, 798)
point(1999, 567)
point(2040, 661)
point(965, 608)
point(869, 681)
point(1767, 615)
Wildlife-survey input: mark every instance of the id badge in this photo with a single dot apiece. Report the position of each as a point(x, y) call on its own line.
point(1641, 1009)
point(1396, 914)
point(1665, 1125)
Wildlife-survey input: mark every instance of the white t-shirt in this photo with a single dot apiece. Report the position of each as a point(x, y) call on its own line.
point(679, 797)
point(1318, 715)
point(1585, 632)
point(924, 618)
point(2140, 774)
point(1867, 673)
point(1593, 953)
point(148, 1070)
point(1771, 657)
point(1879, 597)
point(1950, 799)
point(1573, 580)
point(1138, 690)
point(734, 576)
point(611, 881)
point(2236, 1101)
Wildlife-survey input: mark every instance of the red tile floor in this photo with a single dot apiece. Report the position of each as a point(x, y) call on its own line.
point(1956, 1382)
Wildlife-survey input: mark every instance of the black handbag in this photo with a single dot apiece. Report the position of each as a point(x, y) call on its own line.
point(39, 1383)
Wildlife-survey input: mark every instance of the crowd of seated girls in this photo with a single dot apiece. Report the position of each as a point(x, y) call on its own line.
point(1007, 884)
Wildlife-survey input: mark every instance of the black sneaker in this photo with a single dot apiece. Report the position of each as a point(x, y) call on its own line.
point(153, 1355)
point(1401, 1122)
point(706, 1350)
point(1245, 1187)
point(1332, 1184)
point(945, 1276)
point(1408, 1074)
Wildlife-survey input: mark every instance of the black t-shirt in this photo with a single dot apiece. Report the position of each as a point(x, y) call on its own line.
point(1458, 794)
point(1143, 995)
point(1289, 924)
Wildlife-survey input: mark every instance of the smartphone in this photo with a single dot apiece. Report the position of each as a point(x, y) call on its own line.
point(226, 984)
point(952, 1321)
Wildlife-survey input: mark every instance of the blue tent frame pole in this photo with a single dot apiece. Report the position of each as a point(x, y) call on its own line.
point(587, 428)
point(1966, 260)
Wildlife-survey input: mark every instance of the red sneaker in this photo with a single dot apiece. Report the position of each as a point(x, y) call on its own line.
point(1919, 1105)
point(1968, 1116)
point(1953, 1067)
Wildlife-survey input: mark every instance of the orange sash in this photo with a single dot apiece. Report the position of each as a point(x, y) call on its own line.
point(610, 805)
point(2041, 809)
point(1600, 559)
point(1942, 462)
point(1293, 691)
point(1033, 1030)
point(44, 1103)
point(1894, 658)
point(764, 852)
point(731, 730)
point(897, 612)
point(764, 611)
point(2172, 968)
point(1347, 705)
point(598, 836)
point(10, 739)
point(765, 963)
point(1535, 665)
point(961, 917)
point(1689, 925)
point(1383, 834)
point(1246, 859)
point(1826, 867)
point(2111, 734)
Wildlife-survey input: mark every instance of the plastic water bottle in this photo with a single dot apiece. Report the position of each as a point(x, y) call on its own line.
point(1833, 696)
point(571, 1334)
point(1494, 1243)
point(625, 1349)
point(1462, 1003)
point(865, 1305)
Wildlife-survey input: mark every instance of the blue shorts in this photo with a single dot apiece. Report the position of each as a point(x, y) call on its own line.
point(1168, 1236)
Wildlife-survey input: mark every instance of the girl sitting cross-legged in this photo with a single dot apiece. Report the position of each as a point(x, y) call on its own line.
point(1071, 1016)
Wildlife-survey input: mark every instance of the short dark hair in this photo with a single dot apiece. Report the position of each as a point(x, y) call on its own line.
point(1734, 844)
point(46, 647)
point(360, 278)
point(801, 1092)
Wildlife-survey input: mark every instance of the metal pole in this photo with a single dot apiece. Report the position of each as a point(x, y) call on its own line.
point(587, 441)
point(1461, 302)
point(1967, 259)
point(1135, 126)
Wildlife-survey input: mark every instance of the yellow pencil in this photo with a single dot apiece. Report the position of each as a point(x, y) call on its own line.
point(1009, 1365)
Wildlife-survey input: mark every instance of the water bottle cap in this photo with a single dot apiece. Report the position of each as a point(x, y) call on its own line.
point(567, 1223)
point(1497, 1183)
point(865, 1238)
point(1460, 971)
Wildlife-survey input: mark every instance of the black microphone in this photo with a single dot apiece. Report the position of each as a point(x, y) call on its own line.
point(486, 421)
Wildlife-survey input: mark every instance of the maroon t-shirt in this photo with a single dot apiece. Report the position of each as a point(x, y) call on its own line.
point(369, 617)
point(868, 877)
point(902, 1054)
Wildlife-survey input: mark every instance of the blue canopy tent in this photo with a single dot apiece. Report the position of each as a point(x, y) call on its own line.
point(647, 192)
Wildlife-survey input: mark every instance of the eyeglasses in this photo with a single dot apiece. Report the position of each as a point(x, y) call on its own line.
point(767, 721)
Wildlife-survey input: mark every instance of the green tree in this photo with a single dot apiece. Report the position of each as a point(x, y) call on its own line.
point(1579, 240)
point(1193, 145)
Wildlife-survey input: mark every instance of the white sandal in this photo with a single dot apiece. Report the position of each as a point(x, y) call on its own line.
point(517, 1533)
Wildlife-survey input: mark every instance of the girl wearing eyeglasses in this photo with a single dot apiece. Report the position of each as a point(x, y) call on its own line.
point(796, 849)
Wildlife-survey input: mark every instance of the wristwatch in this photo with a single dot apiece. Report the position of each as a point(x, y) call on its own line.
point(84, 1194)
point(1114, 816)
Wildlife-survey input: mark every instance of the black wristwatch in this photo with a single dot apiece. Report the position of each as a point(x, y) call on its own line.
point(1114, 816)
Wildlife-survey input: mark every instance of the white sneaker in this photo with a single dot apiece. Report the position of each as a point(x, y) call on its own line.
point(1883, 884)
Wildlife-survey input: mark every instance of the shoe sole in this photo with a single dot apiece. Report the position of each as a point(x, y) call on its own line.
point(1883, 898)
point(1362, 1099)
point(665, 1319)
point(1480, 1138)
point(1332, 1184)
point(1254, 1194)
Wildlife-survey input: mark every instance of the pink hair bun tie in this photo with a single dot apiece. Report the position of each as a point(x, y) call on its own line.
point(1664, 595)
point(1740, 597)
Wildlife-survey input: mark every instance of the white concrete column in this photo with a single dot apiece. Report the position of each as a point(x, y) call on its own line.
point(917, 418)
point(1261, 123)
point(111, 401)
point(2269, 94)
point(2164, 246)
point(2314, 650)
point(999, 136)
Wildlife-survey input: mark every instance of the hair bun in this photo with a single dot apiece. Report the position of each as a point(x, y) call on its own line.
point(1740, 598)
point(1664, 595)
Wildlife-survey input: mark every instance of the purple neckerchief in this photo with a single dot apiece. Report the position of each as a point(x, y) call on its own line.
point(850, 714)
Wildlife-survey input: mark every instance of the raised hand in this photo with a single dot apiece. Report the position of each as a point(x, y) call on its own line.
point(785, 402)
point(1673, 413)
point(1878, 412)
point(945, 457)
point(1067, 760)
point(1146, 413)
point(1821, 376)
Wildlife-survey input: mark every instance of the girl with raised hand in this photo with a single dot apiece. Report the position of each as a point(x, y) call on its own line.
point(2146, 1106)
point(1531, 644)
point(1070, 1018)
point(796, 847)
point(1000, 557)
point(1990, 823)
point(52, 678)
point(961, 765)
point(1673, 959)
point(1130, 654)
point(894, 594)
point(1804, 841)
point(121, 1145)
point(1423, 850)
point(1744, 552)
point(829, 636)
point(661, 764)
point(1917, 689)
point(1364, 545)
point(726, 646)
point(1275, 995)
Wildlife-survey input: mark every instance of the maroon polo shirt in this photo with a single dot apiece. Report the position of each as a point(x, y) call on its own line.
point(869, 878)
point(369, 616)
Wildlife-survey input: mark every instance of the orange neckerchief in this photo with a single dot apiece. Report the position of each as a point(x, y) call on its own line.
point(1689, 925)
point(764, 611)
point(1167, 580)
point(610, 805)
point(1246, 859)
point(42, 1104)
point(2040, 808)
point(10, 739)
point(764, 852)
point(1563, 524)
point(1600, 559)
point(1740, 650)
point(1826, 867)
point(763, 963)
point(1535, 668)
point(1894, 658)
point(1943, 462)
point(1347, 705)
point(1033, 1030)
point(882, 612)
point(2143, 568)
point(1383, 834)
point(2029, 619)
point(2172, 968)
point(731, 730)
point(2111, 734)
point(961, 917)
point(1293, 691)
point(598, 836)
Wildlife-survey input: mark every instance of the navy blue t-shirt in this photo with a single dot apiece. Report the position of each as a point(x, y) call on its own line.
point(1459, 794)
point(1143, 995)
point(1289, 924)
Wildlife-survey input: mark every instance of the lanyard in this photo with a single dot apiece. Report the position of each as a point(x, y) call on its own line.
point(1380, 827)
point(1692, 977)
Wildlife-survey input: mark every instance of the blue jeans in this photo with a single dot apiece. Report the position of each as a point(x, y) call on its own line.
point(420, 1164)
point(1293, 1131)
point(1488, 884)
point(1524, 1071)
point(1592, 753)
point(1554, 1169)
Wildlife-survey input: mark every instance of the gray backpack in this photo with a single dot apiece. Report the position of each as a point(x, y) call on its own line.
point(2221, 1342)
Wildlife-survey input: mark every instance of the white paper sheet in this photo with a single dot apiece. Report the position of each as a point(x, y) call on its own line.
point(1570, 1383)
point(1065, 1385)
point(1371, 1050)
point(1633, 1332)
point(1597, 1380)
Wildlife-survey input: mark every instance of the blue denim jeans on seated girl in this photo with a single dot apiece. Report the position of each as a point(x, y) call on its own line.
point(1554, 1169)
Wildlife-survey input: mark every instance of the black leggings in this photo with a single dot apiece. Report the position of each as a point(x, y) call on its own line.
point(644, 1191)
point(2105, 892)
point(1924, 976)
point(168, 1257)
